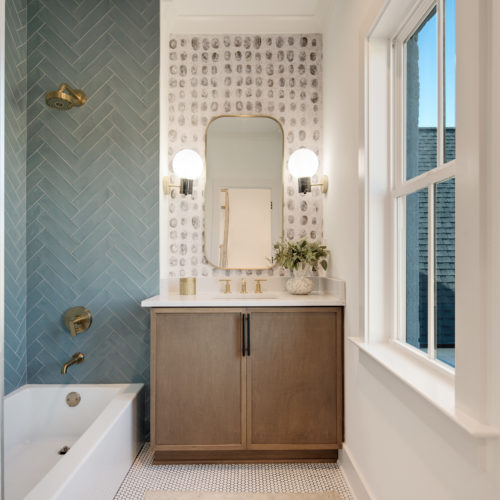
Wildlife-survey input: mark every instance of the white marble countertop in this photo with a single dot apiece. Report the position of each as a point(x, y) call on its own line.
point(327, 292)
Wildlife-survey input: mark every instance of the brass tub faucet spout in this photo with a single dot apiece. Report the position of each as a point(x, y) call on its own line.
point(77, 358)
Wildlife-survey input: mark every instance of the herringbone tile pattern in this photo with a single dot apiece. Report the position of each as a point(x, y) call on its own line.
point(92, 186)
point(15, 194)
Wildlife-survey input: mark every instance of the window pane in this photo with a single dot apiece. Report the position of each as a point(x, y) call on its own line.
point(416, 269)
point(449, 81)
point(421, 98)
point(445, 271)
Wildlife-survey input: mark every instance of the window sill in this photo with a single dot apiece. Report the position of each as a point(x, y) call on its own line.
point(438, 389)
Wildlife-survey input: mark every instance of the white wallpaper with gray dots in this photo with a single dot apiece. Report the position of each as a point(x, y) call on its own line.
point(211, 75)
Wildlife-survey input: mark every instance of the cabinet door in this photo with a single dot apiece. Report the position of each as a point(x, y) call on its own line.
point(294, 379)
point(198, 380)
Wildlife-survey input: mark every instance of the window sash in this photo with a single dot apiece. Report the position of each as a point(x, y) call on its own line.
point(401, 187)
point(443, 170)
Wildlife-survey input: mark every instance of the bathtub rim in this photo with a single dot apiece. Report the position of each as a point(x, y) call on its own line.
point(60, 386)
point(63, 472)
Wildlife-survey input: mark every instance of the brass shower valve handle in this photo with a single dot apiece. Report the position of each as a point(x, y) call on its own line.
point(74, 325)
point(227, 288)
point(258, 287)
point(77, 320)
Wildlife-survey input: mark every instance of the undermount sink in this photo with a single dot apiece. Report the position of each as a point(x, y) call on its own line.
point(245, 296)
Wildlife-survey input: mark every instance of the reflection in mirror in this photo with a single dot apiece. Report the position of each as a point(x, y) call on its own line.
point(243, 191)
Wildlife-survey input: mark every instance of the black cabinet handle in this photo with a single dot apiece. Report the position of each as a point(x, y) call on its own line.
point(248, 334)
point(243, 349)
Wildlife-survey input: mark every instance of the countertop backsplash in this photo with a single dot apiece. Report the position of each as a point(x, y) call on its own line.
point(211, 75)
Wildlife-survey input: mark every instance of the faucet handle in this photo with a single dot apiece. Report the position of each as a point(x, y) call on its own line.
point(258, 288)
point(227, 288)
point(77, 320)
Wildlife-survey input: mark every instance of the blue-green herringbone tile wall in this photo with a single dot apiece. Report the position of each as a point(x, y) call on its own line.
point(15, 194)
point(92, 186)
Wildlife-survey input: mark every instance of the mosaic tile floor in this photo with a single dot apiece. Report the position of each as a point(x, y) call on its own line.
point(275, 478)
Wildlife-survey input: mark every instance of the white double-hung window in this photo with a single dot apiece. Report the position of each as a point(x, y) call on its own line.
point(423, 187)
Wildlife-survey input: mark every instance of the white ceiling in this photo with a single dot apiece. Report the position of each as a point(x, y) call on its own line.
point(246, 16)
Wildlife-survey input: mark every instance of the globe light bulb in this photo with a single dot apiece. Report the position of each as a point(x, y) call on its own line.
point(187, 164)
point(303, 163)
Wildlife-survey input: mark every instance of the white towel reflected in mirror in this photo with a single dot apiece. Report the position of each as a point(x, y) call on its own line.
point(243, 211)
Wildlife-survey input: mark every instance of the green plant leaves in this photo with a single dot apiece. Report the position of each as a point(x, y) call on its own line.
point(290, 255)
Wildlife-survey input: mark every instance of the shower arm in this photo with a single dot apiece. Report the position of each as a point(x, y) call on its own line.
point(66, 88)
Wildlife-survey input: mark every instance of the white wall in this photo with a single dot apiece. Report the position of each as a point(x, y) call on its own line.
point(492, 100)
point(401, 447)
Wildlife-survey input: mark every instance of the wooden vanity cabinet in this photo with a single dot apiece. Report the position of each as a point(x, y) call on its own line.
point(246, 384)
point(197, 375)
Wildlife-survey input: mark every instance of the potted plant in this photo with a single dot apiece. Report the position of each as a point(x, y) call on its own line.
point(300, 258)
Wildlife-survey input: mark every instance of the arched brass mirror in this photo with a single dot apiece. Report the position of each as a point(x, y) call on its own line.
point(243, 191)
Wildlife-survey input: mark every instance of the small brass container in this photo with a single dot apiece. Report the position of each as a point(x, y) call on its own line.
point(187, 286)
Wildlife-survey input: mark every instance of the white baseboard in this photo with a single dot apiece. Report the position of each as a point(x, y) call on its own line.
point(353, 475)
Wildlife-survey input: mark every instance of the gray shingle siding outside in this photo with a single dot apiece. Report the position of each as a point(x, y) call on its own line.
point(445, 246)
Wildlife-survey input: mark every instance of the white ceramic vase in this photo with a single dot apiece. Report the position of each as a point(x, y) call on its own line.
point(299, 283)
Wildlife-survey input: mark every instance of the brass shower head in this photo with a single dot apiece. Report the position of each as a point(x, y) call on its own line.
point(65, 98)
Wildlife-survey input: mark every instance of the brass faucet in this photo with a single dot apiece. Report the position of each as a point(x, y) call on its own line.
point(227, 288)
point(243, 285)
point(77, 358)
point(258, 287)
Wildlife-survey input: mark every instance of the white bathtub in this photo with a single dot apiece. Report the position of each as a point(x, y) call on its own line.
point(104, 433)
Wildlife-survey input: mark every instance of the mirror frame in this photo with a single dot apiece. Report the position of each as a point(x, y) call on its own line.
point(282, 232)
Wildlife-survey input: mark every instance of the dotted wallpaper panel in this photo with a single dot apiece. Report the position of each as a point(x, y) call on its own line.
point(212, 75)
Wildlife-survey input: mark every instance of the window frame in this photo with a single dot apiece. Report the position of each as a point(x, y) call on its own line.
point(401, 188)
point(461, 394)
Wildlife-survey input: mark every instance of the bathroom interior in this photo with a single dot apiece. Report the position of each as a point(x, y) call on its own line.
point(153, 340)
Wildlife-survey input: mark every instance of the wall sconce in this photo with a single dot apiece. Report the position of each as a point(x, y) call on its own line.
point(187, 165)
point(303, 164)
